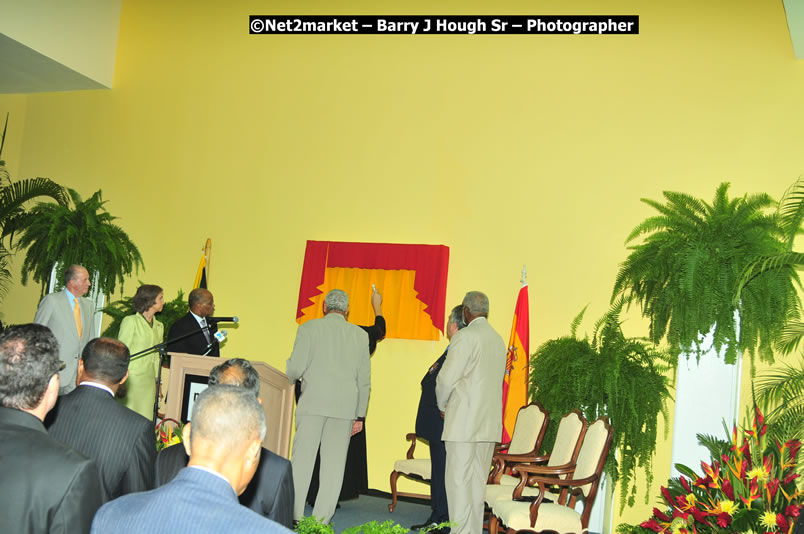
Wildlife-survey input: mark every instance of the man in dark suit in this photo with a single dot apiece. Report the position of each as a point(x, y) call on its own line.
point(91, 421)
point(224, 441)
point(270, 492)
point(430, 425)
point(202, 339)
point(44, 485)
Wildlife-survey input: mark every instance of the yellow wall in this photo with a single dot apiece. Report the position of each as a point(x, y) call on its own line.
point(511, 150)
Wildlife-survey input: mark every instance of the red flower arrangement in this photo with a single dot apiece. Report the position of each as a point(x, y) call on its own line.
point(746, 487)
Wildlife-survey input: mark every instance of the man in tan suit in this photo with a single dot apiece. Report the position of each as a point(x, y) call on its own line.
point(331, 357)
point(469, 391)
point(70, 317)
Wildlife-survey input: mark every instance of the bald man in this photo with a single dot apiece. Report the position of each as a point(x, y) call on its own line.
point(270, 492)
point(224, 442)
point(199, 331)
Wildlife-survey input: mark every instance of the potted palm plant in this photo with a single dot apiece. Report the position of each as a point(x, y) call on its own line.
point(685, 272)
point(82, 232)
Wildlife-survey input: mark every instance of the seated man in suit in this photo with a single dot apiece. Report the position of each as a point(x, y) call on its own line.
point(224, 441)
point(91, 421)
point(45, 486)
point(202, 332)
point(270, 492)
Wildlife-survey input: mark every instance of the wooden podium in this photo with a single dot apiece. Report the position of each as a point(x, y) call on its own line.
point(188, 377)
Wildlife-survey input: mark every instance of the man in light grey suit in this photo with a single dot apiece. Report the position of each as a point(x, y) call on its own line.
point(72, 327)
point(224, 441)
point(331, 357)
point(469, 392)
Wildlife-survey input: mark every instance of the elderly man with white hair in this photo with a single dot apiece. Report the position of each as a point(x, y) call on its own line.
point(331, 357)
point(224, 441)
point(469, 391)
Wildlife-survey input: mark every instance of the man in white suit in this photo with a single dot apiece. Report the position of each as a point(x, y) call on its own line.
point(469, 392)
point(331, 356)
point(70, 317)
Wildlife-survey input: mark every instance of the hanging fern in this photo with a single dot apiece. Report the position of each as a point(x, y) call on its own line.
point(622, 378)
point(685, 273)
point(83, 233)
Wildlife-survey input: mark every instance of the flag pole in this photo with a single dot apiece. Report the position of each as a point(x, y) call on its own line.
point(207, 253)
point(524, 280)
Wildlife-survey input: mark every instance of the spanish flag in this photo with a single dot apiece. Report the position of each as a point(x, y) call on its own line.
point(411, 278)
point(515, 382)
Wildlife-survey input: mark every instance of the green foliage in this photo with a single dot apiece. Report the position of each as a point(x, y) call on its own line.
point(780, 394)
point(312, 525)
point(84, 233)
point(791, 215)
point(609, 375)
point(13, 198)
point(685, 274)
point(172, 312)
point(373, 527)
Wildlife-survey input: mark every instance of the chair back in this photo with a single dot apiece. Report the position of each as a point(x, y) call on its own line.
point(593, 453)
point(529, 429)
point(570, 433)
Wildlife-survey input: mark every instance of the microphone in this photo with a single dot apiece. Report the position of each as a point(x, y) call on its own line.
point(220, 335)
point(234, 319)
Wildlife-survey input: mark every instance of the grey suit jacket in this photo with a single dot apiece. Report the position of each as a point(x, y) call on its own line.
point(469, 386)
point(54, 311)
point(331, 356)
point(120, 441)
point(45, 486)
point(269, 493)
point(195, 502)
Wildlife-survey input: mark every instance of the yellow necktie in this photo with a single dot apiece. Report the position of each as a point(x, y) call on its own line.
point(77, 315)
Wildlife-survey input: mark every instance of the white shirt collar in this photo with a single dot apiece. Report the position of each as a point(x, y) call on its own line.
point(97, 385)
point(202, 322)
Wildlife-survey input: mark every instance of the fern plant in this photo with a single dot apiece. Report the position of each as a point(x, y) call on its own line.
point(607, 375)
point(82, 232)
point(685, 273)
point(791, 216)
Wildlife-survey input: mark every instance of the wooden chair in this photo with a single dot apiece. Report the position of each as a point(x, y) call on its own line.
point(546, 512)
point(571, 430)
point(415, 468)
point(529, 429)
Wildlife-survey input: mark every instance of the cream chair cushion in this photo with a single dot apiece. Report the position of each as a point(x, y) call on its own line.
point(516, 515)
point(414, 467)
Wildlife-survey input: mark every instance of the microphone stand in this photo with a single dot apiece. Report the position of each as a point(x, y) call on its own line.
point(163, 357)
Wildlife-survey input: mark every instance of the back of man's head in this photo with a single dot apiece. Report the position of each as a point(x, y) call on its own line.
point(106, 360)
point(476, 303)
point(337, 301)
point(29, 357)
point(228, 417)
point(236, 372)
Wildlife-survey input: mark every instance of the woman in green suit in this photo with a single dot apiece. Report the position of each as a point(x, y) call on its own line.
point(139, 332)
